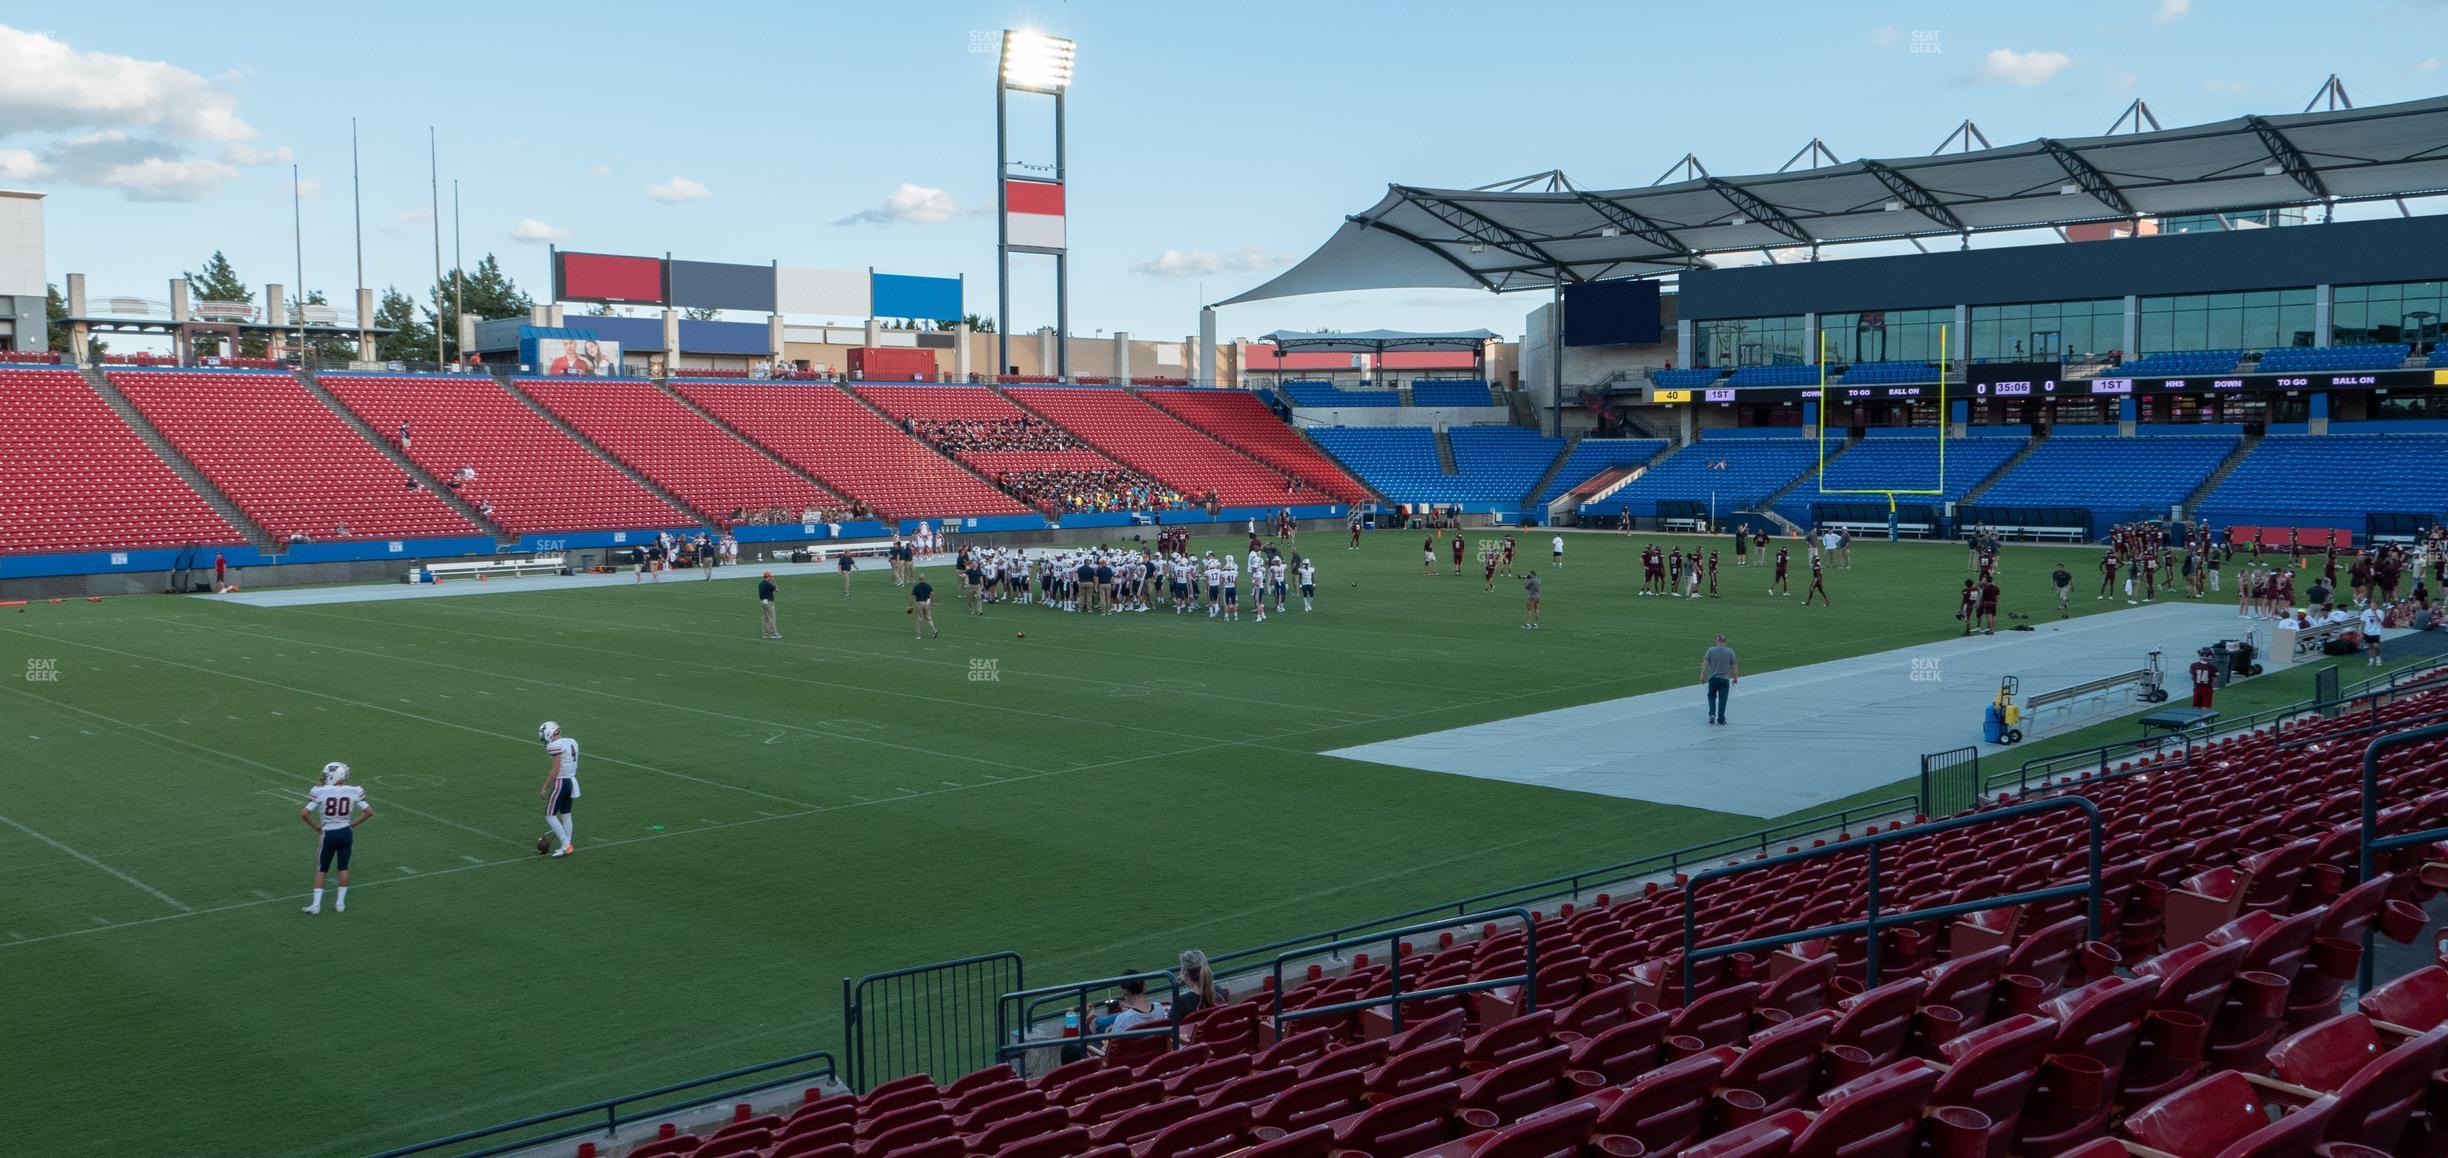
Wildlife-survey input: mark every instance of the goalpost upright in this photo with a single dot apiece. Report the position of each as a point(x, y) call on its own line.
point(1819, 472)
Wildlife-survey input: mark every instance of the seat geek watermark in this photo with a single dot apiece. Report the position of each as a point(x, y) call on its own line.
point(1925, 41)
point(1925, 671)
point(42, 671)
point(985, 671)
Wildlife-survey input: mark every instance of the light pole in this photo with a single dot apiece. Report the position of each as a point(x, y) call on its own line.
point(1031, 212)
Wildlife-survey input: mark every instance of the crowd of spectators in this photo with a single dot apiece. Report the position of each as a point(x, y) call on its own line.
point(1018, 432)
point(763, 516)
point(1076, 491)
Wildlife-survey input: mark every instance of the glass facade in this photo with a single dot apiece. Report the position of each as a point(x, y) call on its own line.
point(1736, 342)
point(2400, 312)
point(2260, 320)
point(2041, 331)
point(1885, 335)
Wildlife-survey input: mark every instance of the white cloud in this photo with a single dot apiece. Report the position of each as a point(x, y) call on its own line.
point(2023, 69)
point(1198, 262)
point(45, 84)
point(21, 165)
point(912, 203)
point(679, 189)
point(599, 170)
point(2171, 10)
point(2429, 64)
point(1885, 36)
point(533, 232)
point(250, 155)
point(2224, 87)
point(416, 217)
point(309, 187)
point(166, 179)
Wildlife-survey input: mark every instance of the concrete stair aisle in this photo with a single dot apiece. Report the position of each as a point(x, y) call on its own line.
point(1540, 487)
point(635, 476)
point(2004, 469)
point(664, 385)
point(400, 459)
point(1445, 454)
point(2226, 466)
point(221, 504)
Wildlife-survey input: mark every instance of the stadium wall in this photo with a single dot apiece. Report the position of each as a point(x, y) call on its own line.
point(2337, 253)
point(1310, 416)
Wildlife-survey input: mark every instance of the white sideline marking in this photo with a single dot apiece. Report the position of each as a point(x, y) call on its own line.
point(471, 859)
point(406, 869)
point(264, 893)
point(157, 894)
point(102, 922)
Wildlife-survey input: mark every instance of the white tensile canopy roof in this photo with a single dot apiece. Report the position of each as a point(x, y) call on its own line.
point(1510, 237)
point(1377, 341)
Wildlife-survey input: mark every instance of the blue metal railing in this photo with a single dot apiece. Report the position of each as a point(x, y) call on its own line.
point(1396, 997)
point(1876, 921)
point(2369, 845)
point(611, 1109)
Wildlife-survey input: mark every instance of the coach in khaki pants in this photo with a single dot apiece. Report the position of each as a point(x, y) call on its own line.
point(765, 596)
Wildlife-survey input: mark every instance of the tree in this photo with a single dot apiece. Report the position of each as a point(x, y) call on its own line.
point(484, 292)
point(411, 339)
point(602, 310)
point(978, 324)
point(700, 313)
point(55, 308)
point(219, 282)
point(329, 349)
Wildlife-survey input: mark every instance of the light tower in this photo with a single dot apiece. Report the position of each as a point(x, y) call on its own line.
point(1030, 211)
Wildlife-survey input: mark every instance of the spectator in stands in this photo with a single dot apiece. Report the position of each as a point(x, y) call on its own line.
point(1136, 1012)
point(1194, 985)
point(340, 529)
point(484, 508)
point(403, 435)
point(462, 477)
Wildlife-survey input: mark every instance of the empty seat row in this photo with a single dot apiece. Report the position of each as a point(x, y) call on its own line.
point(73, 477)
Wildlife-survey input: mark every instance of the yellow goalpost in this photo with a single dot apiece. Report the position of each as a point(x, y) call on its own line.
point(1819, 472)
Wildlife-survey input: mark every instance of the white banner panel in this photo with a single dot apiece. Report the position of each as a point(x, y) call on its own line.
point(832, 293)
point(1034, 230)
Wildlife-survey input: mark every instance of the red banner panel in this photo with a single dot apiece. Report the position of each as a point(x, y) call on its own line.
point(1034, 197)
point(604, 277)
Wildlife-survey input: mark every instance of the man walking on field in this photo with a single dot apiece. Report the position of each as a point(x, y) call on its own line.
point(1719, 670)
point(765, 598)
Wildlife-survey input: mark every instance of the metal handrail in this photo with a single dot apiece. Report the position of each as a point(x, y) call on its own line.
point(1392, 938)
point(1574, 884)
point(1030, 1001)
point(1876, 921)
point(854, 1011)
point(611, 1107)
point(2368, 844)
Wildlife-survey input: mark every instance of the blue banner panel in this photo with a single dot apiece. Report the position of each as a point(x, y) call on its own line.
point(934, 299)
point(551, 541)
point(754, 339)
point(722, 286)
point(1611, 313)
point(359, 550)
point(112, 562)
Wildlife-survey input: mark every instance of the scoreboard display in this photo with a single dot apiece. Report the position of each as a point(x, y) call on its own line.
point(2021, 380)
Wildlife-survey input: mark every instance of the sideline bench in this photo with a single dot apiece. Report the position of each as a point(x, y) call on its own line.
point(483, 568)
point(1879, 529)
point(2140, 682)
point(2302, 641)
point(2060, 534)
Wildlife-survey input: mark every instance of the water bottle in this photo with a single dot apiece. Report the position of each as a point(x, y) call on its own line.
point(1070, 1023)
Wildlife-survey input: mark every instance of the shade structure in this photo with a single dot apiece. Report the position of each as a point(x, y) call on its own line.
point(1509, 237)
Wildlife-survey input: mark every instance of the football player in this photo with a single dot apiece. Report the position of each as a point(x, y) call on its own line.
point(560, 791)
point(334, 809)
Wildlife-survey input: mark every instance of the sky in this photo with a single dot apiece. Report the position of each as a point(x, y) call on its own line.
point(1209, 145)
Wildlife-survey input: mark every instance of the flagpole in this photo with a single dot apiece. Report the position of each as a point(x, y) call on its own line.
point(433, 175)
point(458, 264)
point(297, 245)
point(357, 218)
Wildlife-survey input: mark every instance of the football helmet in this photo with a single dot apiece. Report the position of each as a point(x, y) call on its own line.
point(548, 731)
point(335, 773)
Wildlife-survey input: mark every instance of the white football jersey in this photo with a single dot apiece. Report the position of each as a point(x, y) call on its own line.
point(1308, 575)
point(335, 805)
point(564, 752)
point(1275, 571)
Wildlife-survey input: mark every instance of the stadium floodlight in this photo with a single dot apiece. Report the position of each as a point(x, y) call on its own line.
point(1034, 60)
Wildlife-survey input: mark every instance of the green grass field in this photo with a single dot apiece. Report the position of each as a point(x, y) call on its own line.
point(761, 819)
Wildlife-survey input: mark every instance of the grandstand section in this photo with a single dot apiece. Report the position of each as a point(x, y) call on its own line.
point(1400, 462)
point(1028, 458)
point(1164, 447)
point(533, 476)
point(1239, 420)
point(2179, 362)
point(75, 478)
point(1327, 395)
point(2333, 359)
point(697, 461)
point(2104, 480)
point(825, 431)
point(1900, 460)
point(2334, 480)
point(1451, 392)
point(1500, 464)
point(1717, 474)
point(292, 465)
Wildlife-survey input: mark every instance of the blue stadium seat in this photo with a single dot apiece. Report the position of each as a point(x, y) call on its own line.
point(2439, 357)
point(1802, 374)
point(1499, 464)
point(2335, 359)
point(1327, 394)
point(1889, 373)
point(2115, 478)
point(1596, 454)
point(2333, 480)
point(1495, 464)
point(2179, 362)
point(1738, 472)
point(1684, 379)
point(1399, 461)
point(1451, 392)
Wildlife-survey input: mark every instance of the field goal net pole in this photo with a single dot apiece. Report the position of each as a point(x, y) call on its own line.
point(1819, 435)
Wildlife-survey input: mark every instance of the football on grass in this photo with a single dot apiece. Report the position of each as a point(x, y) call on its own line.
point(543, 845)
